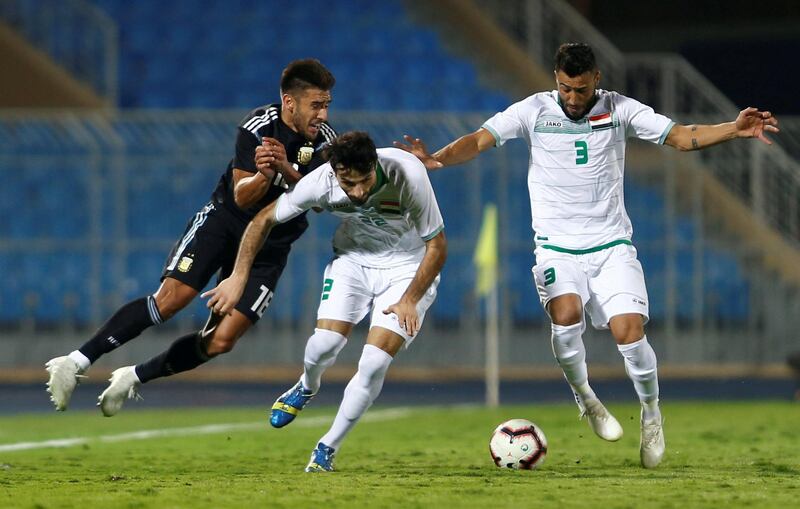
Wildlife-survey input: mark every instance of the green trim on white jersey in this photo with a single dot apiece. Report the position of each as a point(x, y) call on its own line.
point(589, 250)
point(497, 140)
point(380, 179)
point(664, 135)
point(436, 232)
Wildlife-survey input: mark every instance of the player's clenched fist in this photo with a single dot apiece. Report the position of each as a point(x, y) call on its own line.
point(264, 162)
point(272, 156)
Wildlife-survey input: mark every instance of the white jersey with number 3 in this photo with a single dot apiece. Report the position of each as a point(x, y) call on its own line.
point(576, 168)
point(390, 229)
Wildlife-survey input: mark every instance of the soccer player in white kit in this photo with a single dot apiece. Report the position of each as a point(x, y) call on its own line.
point(585, 261)
point(389, 250)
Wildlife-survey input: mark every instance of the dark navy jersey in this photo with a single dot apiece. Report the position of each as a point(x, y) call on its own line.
point(304, 155)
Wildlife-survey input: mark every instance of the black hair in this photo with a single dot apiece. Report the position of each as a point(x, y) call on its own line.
point(353, 150)
point(575, 58)
point(304, 74)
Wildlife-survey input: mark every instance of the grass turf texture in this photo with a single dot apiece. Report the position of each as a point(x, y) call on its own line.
point(718, 455)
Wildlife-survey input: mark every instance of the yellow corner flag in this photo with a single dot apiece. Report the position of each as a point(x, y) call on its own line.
point(485, 258)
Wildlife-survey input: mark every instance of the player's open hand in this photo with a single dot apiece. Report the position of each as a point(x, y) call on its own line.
point(417, 147)
point(752, 123)
point(406, 315)
point(224, 296)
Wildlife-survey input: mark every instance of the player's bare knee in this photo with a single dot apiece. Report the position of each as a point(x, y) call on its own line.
point(563, 315)
point(172, 296)
point(565, 310)
point(627, 330)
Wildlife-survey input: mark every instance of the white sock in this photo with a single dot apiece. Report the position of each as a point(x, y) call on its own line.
point(322, 349)
point(571, 356)
point(641, 366)
point(359, 394)
point(81, 360)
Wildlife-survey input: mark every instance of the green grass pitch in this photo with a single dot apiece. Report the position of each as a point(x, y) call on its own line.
point(723, 454)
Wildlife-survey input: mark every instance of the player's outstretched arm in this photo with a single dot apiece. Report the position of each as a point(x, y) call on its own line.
point(227, 293)
point(751, 123)
point(429, 268)
point(459, 151)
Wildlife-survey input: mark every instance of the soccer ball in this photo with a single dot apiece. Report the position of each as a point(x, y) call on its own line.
point(519, 444)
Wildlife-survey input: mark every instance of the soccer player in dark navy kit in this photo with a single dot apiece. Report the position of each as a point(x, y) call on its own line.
point(292, 133)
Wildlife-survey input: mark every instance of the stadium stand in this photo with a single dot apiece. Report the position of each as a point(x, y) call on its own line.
point(229, 57)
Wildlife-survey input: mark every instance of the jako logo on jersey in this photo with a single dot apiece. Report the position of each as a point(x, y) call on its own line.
point(552, 123)
point(304, 155)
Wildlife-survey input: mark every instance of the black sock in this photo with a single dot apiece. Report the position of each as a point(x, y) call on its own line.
point(185, 353)
point(127, 323)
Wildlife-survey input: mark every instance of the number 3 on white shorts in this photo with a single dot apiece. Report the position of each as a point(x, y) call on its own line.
point(549, 276)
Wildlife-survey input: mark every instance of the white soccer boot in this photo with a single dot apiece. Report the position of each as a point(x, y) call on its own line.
point(65, 375)
point(651, 446)
point(600, 420)
point(124, 385)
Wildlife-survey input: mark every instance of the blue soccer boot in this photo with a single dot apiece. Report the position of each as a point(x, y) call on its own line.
point(286, 408)
point(321, 459)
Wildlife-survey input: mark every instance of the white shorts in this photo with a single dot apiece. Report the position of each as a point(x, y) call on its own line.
point(350, 291)
point(610, 282)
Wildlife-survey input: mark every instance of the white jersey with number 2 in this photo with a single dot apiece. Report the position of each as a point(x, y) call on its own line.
point(576, 167)
point(390, 229)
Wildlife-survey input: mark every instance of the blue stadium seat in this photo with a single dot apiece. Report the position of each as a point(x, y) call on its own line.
point(187, 54)
point(11, 299)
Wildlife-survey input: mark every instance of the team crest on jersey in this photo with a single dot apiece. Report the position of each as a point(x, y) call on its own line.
point(305, 154)
point(391, 207)
point(185, 264)
point(603, 121)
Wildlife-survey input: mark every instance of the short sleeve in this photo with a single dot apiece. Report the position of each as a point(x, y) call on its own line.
point(509, 124)
point(421, 201)
point(307, 193)
point(642, 122)
point(246, 143)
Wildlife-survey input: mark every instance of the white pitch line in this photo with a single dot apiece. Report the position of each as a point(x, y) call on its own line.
point(209, 429)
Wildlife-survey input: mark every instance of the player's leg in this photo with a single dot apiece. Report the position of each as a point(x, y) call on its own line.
point(621, 289)
point(343, 303)
point(360, 393)
point(184, 354)
point(563, 289)
point(384, 340)
point(640, 360)
point(128, 322)
point(321, 351)
point(642, 368)
point(322, 348)
point(183, 277)
point(219, 336)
